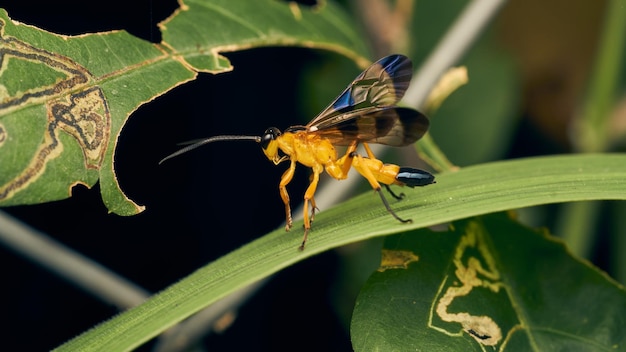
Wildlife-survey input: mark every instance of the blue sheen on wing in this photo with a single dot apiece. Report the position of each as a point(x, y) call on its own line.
point(381, 85)
point(400, 69)
point(345, 100)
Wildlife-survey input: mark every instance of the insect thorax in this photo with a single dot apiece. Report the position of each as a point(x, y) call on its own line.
point(306, 148)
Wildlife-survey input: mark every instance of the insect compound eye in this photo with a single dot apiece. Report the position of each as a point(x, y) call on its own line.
point(415, 177)
point(269, 135)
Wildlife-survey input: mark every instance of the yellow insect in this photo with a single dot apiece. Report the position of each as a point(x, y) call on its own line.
point(364, 113)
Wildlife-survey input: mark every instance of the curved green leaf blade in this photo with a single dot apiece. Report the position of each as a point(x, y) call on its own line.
point(468, 192)
point(240, 25)
point(488, 282)
point(64, 100)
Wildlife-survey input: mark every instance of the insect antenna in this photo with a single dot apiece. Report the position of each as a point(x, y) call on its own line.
point(198, 143)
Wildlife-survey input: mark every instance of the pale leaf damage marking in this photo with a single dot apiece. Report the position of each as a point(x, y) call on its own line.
point(474, 267)
point(73, 106)
point(3, 134)
point(396, 259)
point(294, 7)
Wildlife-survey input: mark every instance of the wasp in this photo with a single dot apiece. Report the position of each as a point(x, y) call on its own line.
point(364, 113)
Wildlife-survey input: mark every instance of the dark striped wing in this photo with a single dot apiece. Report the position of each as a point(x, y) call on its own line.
point(394, 126)
point(381, 85)
point(366, 110)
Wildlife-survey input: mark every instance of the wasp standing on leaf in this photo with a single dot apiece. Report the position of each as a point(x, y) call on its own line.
point(364, 113)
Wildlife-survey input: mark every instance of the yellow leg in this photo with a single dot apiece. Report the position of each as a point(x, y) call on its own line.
point(366, 170)
point(391, 172)
point(339, 169)
point(284, 180)
point(369, 168)
point(368, 151)
point(312, 200)
point(308, 200)
point(313, 208)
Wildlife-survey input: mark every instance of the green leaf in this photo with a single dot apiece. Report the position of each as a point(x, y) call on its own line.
point(202, 29)
point(488, 282)
point(64, 100)
point(471, 191)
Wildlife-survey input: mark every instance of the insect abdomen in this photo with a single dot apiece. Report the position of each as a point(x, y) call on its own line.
point(414, 177)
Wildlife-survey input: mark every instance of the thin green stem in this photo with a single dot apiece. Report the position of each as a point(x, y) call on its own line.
point(592, 132)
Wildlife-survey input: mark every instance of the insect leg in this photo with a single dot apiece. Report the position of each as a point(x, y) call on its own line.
point(371, 155)
point(312, 201)
point(284, 180)
point(393, 213)
point(369, 152)
point(308, 199)
point(339, 168)
point(367, 167)
point(393, 194)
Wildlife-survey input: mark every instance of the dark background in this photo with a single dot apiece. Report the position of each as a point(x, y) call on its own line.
point(198, 207)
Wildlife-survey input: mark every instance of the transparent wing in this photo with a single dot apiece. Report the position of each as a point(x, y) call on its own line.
point(381, 85)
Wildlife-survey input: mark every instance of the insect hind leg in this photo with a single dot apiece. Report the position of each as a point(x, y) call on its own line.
point(393, 194)
point(370, 169)
point(388, 207)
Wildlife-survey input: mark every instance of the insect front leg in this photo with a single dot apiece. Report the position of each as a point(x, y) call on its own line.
point(309, 199)
point(284, 181)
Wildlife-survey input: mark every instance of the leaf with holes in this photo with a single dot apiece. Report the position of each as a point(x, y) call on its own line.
point(64, 100)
